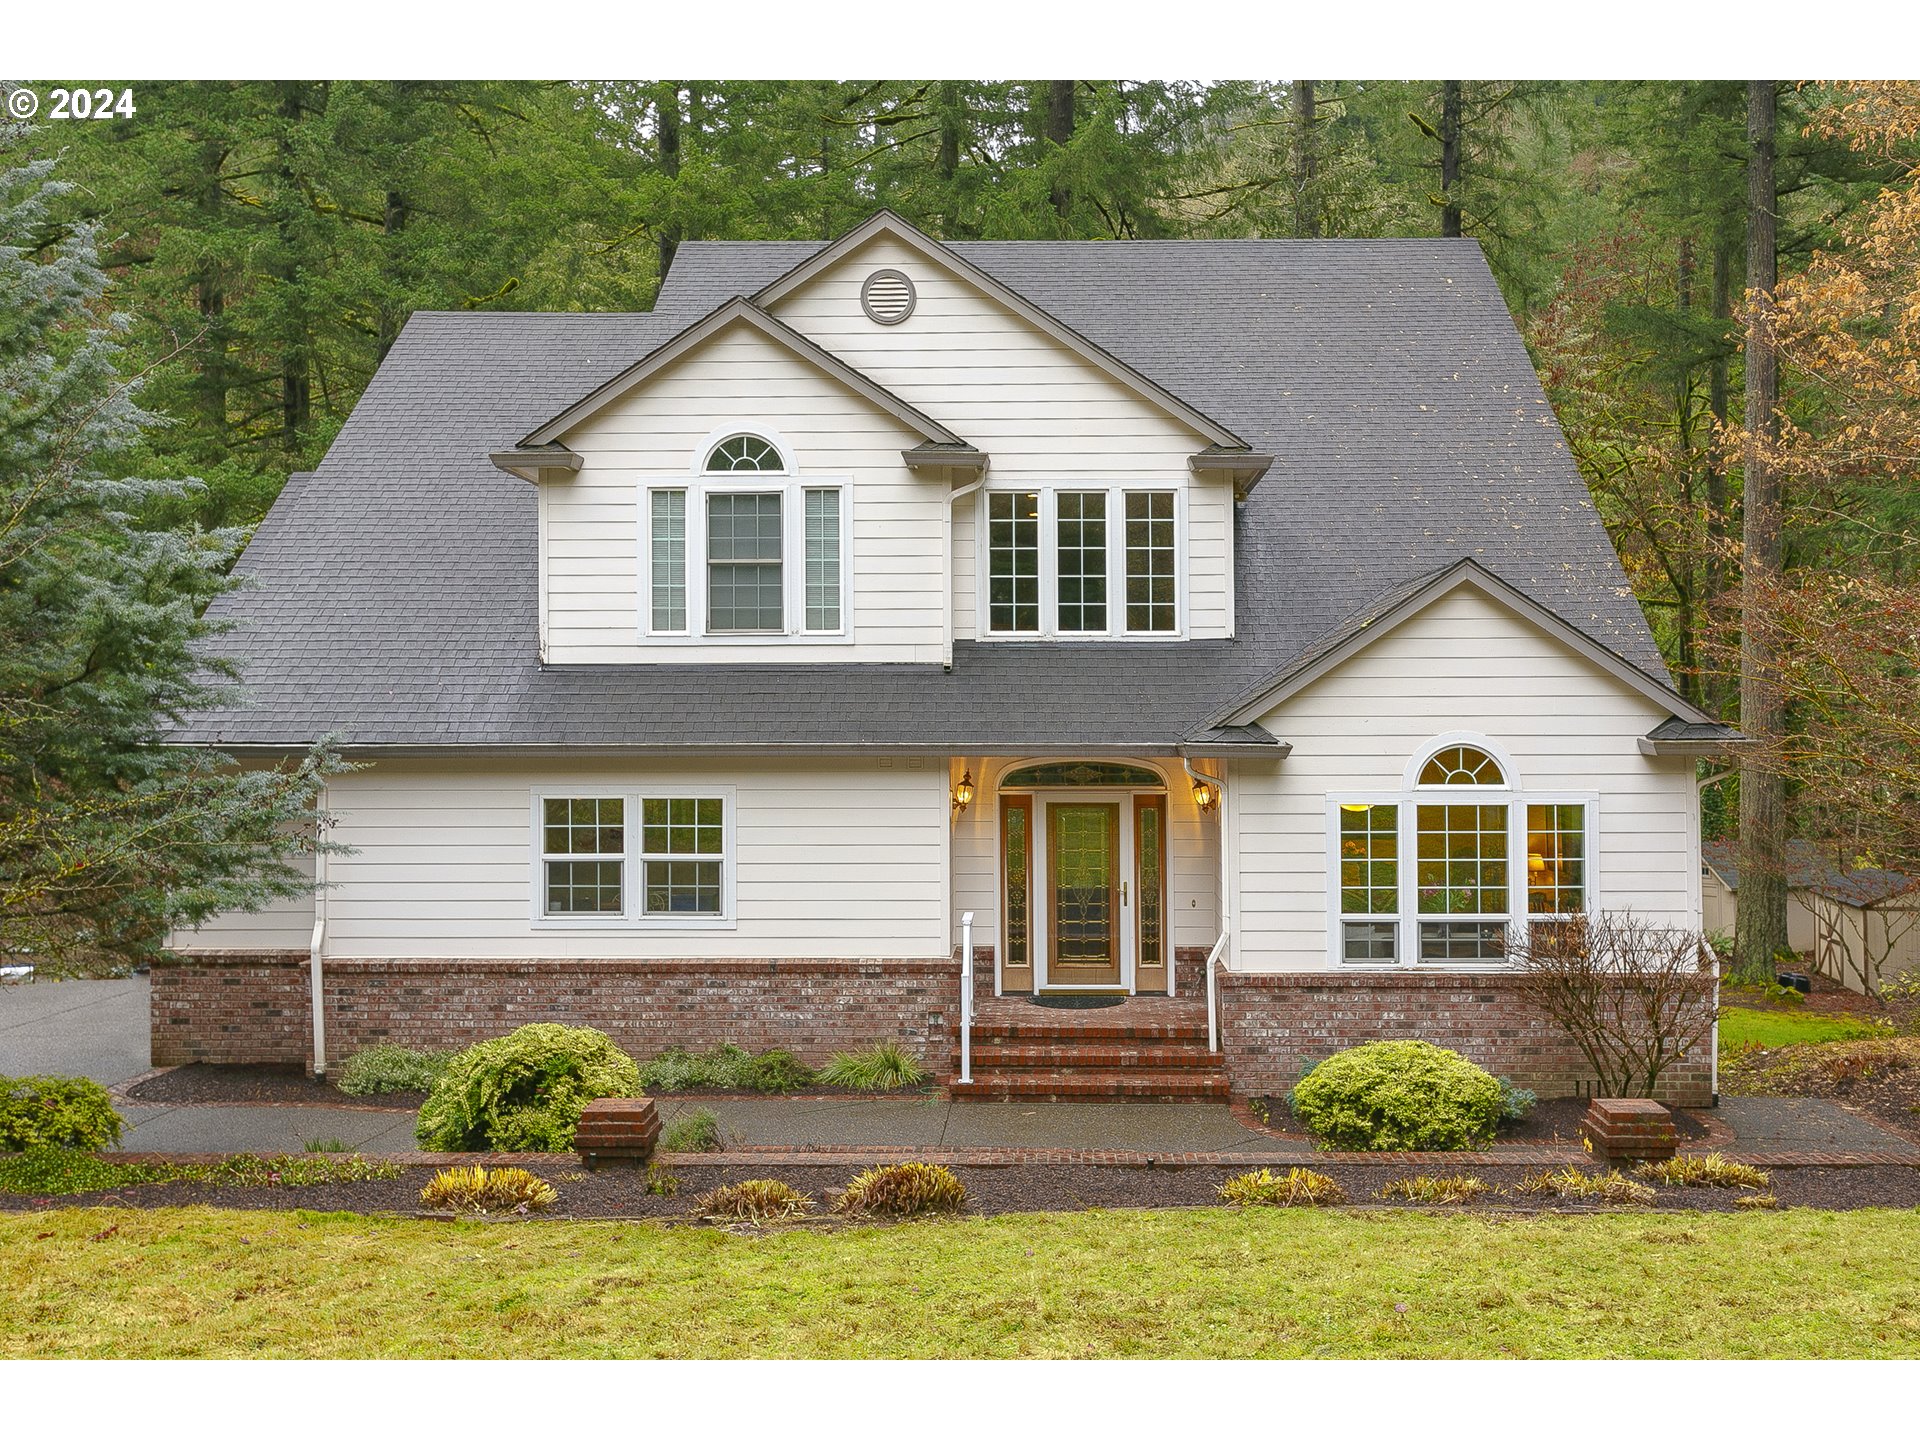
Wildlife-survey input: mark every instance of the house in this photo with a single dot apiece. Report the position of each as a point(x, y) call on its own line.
point(1220, 625)
point(1857, 925)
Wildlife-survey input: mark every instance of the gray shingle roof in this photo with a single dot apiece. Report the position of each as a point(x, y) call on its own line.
point(394, 589)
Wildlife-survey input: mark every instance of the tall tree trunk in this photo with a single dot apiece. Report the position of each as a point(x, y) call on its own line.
point(210, 298)
point(1306, 162)
point(1059, 122)
point(1761, 917)
point(296, 384)
point(1718, 511)
point(393, 221)
point(667, 119)
point(1450, 157)
point(1686, 580)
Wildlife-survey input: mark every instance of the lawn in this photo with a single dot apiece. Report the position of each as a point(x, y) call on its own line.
point(197, 1282)
point(1740, 1026)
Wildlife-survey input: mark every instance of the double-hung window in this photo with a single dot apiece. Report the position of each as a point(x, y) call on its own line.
point(594, 863)
point(745, 549)
point(1081, 562)
point(1428, 877)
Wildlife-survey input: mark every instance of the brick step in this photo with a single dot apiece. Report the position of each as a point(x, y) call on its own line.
point(1038, 1085)
point(1025, 1031)
point(1064, 1055)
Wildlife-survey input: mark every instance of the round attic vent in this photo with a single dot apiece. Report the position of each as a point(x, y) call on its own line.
point(887, 297)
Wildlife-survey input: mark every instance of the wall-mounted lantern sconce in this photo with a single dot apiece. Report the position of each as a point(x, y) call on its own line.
point(1205, 796)
point(963, 792)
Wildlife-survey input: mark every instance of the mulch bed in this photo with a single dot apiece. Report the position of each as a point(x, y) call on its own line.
point(257, 1085)
point(622, 1194)
point(1550, 1120)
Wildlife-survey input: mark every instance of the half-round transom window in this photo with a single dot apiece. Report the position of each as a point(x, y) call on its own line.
point(1462, 765)
point(744, 452)
point(1082, 772)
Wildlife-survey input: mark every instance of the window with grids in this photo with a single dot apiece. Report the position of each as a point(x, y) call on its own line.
point(744, 582)
point(1013, 563)
point(1460, 877)
point(668, 539)
point(682, 852)
point(822, 540)
point(583, 850)
point(745, 452)
point(1081, 526)
point(1369, 883)
point(1152, 606)
point(1556, 860)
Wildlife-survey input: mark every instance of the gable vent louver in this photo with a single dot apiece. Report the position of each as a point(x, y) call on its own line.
point(887, 297)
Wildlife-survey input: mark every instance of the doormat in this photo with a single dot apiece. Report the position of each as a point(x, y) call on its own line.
point(1078, 1002)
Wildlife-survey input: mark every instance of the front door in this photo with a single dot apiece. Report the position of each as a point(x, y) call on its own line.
point(1083, 850)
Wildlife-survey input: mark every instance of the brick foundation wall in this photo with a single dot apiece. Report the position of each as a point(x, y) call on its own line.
point(250, 1007)
point(1272, 1025)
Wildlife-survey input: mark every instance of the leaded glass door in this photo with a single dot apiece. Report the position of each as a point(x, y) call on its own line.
point(1083, 850)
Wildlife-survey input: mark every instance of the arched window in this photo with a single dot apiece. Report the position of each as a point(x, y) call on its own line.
point(745, 452)
point(1462, 765)
point(1081, 772)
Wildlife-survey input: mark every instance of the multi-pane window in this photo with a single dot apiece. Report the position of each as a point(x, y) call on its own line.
point(682, 842)
point(1460, 870)
point(744, 581)
point(1152, 605)
point(1556, 859)
point(1462, 765)
point(668, 538)
point(1082, 557)
point(822, 541)
point(745, 452)
point(1369, 882)
point(583, 855)
point(1013, 563)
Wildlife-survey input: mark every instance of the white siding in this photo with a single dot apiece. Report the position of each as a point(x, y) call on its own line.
point(282, 925)
point(834, 858)
point(1193, 872)
point(1464, 664)
point(1041, 412)
point(740, 380)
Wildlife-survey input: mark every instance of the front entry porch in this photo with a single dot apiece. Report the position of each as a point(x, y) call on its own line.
point(1145, 1048)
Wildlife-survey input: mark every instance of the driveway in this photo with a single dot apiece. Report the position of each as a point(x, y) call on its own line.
point(96, 1028)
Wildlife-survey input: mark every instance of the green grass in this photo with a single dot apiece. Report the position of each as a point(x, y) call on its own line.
point(1771, 1028)
point(1214, 1282)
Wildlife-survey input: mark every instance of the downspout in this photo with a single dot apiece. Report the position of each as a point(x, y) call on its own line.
point(317, 949)
point(1699, 795)
point(946, 570)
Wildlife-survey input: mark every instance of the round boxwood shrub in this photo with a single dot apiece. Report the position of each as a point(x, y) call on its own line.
point(56, 1110)
point(1398, 1095)
point(524, 1091)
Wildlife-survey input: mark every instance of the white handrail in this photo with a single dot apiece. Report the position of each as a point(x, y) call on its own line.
point(966, 998)
point(1215, 956)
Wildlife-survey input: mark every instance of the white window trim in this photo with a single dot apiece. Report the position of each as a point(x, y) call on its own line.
point(1408, 920)
point(1050, 562)
point(792, 490)
point(630, 917)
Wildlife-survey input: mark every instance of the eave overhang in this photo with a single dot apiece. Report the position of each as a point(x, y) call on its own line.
point(960, 460)
point(1244, 468)
point(527, 461)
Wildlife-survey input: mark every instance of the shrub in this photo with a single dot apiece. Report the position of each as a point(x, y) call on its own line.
point(753, 1200)
point(694, 1132)
point(1398, 1095)
point(662, 1181)
point(1436, 1189)
point(910, 1189)
point(883, 1066)
point(1710, 1170)
point(385, 1069)
point(478, 1189)
point(524, 1091)
point(726, 1067)
point(1515, 1104)
point(43, 1110)
point(1571, 1184)
point(1296, 1187)
point(271, 1171)
point(50, 1170)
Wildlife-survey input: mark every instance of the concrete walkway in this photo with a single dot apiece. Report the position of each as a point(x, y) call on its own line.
point(95, 1028)
point(211, 1129)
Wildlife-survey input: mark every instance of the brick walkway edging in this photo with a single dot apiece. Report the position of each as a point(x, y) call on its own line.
point(998, 1157)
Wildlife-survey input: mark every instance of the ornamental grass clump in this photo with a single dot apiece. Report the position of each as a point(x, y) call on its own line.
point(40, 1111)
point(696, 1132)
point(390, 1069)
point(1609, 1186)
point(883, 1066)
point(1398, 1095)
point(476, 1189)
point(1713, 1170)
point(755, 1200)
point(1436, 1189)
point(524, 1091)
point(902, 1190)
point(1296, 1187)
point(726, 1067)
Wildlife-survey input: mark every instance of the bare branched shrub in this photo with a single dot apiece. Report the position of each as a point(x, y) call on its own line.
point(1634, 997)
